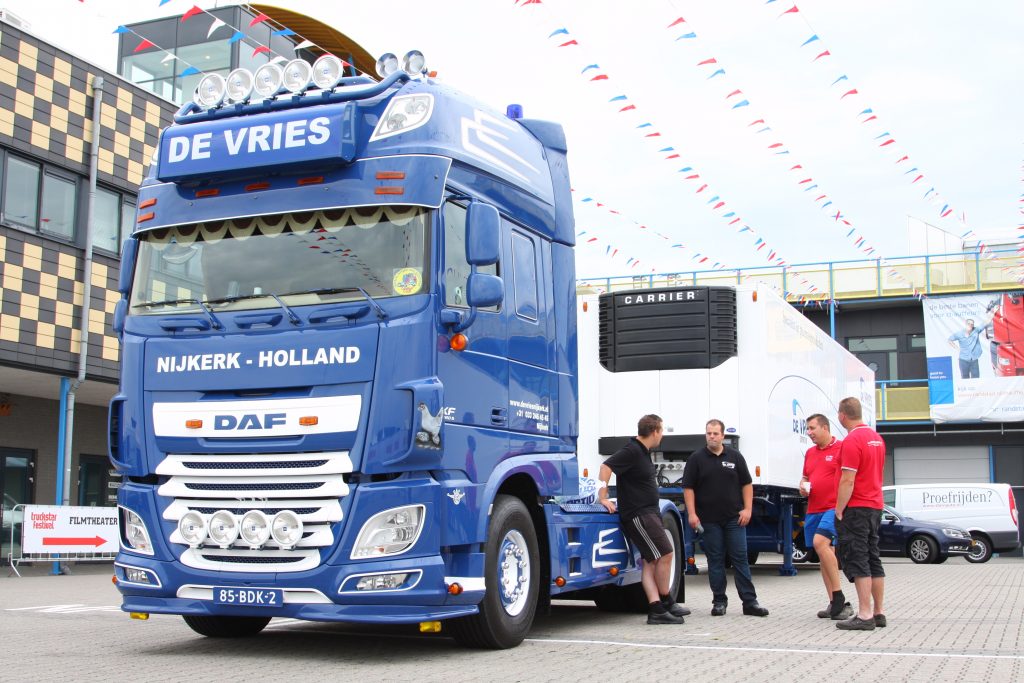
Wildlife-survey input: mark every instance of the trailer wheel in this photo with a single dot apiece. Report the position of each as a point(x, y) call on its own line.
point(226, 627)
point(511, 572)
point(981, 551)
point(632, 598)
point(922, 549)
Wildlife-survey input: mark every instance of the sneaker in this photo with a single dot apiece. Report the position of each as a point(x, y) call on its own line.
point(718, 610)
point(657, 618)
point(879, 621)
point(845, 613)
point(754, 610)
point(675, 608)
point(855, 623)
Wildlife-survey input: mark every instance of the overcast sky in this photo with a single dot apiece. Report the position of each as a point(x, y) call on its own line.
point(941, 76)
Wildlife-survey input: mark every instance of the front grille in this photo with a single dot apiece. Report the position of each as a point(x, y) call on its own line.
point(309, 484)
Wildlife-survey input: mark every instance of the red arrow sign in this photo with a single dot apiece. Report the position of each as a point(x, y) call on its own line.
point(95, 541)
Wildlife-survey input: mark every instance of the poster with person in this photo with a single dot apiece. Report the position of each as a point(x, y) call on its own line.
point(975, 348)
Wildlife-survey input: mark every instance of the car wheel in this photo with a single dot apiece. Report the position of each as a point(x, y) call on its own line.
point(981, 551)
point(940, 559)
point(922, 549)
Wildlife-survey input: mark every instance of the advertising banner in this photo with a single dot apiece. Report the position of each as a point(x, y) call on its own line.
point(975, 347)
point(53, 529)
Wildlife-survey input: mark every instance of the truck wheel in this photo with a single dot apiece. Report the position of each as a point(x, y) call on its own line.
point(632, 598)
point(922, 549)
point(226, 627)
point(511, 572)
point(981, 551)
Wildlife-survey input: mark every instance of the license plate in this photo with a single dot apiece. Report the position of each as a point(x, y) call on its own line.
point(248, 597)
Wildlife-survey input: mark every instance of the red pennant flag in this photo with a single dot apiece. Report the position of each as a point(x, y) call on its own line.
point(672, 156)
point(763, 245)
point(805, 180)
point(702, 188)
point(691, 177)
point(566, 44)
point(592, 239)
point(259, 18)
point(887, 142)
point(869, 118)
point(627, 108)
point(614, 253)
point(600, 77)
point(191, 13)
point(708, 61)
point(260, 49)
point(734, 221)
point(653, 135)
point(795, 167)
point(718, 206)
point(904, 158)
point(826, 53)
point(916, 179)
point(678, 21)
point(850, 92)
point(761, 121)
point(818, 199)
point(792, 10)
point(734, 92)
point(144, 45)
point(777, 144)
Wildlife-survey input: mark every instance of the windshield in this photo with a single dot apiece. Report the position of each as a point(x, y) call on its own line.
point(302, 258)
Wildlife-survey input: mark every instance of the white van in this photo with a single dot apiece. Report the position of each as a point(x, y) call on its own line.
point(988, 511)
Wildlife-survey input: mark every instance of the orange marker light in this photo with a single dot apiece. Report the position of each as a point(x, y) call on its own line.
point(147, 217)
point(614, 571)
point(390, 175)
point(560, 581)
point(113, 580)
point(459, 342)
point(585, 306)
point(312, 180)
point(193, 424)
point(691, 560)
point(148, 203)
point(389, 190)
point(455, 589)
point(757, 471)
point(753, 295)
point(212, 192)
point(252, 187)
point(309, 421)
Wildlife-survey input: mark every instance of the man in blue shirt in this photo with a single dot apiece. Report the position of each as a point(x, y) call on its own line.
point(970, 349)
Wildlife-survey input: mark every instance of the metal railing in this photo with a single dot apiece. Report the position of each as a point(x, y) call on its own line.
point(902, 399)
point(858, 279)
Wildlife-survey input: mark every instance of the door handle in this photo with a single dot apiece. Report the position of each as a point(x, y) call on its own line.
point(499, 417)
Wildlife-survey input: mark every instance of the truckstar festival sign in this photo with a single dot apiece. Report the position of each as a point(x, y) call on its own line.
point(53, 530)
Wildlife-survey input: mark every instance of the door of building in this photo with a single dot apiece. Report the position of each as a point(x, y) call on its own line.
point(17, 476)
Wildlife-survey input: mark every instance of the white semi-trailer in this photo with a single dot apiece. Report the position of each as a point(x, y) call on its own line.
point(740, 354)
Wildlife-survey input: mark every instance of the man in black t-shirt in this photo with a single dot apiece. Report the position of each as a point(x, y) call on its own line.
point(639, 514)
point(719, 495)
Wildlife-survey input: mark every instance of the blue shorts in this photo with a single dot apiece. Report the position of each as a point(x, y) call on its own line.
point(823, 523)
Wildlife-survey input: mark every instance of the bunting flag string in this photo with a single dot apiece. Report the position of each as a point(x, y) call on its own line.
point(867, 115)
point(562, 39)
point(146, 44)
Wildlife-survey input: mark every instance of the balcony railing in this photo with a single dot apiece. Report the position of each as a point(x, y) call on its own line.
point(839, 280)
point(901, 399)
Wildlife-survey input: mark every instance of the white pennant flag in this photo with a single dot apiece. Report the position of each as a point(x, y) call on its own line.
point(277, 59)
point(304, 44)
point(170, 57)
point(217, 23)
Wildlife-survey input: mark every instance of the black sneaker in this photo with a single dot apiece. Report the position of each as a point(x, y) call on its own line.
point(855, 623)
point(656, 618)
point(879, 621)
point(754, 610)
point(674, 608)
point(718, 610)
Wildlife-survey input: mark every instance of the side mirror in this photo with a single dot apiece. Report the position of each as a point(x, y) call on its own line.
point(483, 234)
point(886, 517)
point(484, 290)
point(120, 313)
point(129, 252)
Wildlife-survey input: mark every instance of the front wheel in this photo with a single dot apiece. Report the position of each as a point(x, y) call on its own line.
point(922, 549)
point(511, 573)
point(226, 627)
point(981, 550)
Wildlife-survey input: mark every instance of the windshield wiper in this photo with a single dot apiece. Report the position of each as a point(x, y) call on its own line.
point(217, 325)
point(292, 316)
point(381, 313)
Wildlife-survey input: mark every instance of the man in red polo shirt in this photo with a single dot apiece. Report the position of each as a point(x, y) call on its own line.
point(819, 483)
point(859, 514)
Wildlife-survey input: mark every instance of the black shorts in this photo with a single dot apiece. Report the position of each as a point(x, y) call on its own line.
point(858, 543)
point(648, 534)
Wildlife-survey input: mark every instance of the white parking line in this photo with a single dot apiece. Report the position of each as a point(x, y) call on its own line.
point(869, 653)
point(65, 609)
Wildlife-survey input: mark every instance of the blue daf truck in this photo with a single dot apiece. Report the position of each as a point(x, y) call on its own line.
point(349, 374)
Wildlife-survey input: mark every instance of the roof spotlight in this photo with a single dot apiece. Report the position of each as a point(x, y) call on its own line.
point(210, 91)
point(387, 64)
point(297, 75)
point(327, 71)
point(239, 85)
point(267, 81)
point(414, 63)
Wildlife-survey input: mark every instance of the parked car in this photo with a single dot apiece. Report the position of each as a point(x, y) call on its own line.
point(922, 541)
point(987, 511)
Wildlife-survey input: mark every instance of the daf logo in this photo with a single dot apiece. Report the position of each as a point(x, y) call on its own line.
point(248, 422)
point(457, 495)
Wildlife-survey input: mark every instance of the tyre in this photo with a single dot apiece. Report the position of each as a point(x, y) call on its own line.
point(511, 581)
point(632, 598)
point(922, 549)
point(226, 627)
point(940, 559)
point(981, 551)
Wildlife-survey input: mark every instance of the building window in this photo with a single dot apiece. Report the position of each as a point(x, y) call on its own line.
point(113, 218)
point(21, 192)
point(878, 353)
point(60, 197)
point(917, 342)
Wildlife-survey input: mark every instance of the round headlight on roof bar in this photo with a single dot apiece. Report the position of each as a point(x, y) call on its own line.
point(327, 71)
point(210, 91)
point(255, 528)
point(297, 75)
point(239, 85)
point(192, 527)
point(414, 63)
point(286, 528)
point(267, 81)
point(387, 64)
point(223, 528)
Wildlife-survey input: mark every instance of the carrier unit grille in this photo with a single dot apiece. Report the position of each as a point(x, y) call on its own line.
point(676, 328)
point(311, 485)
